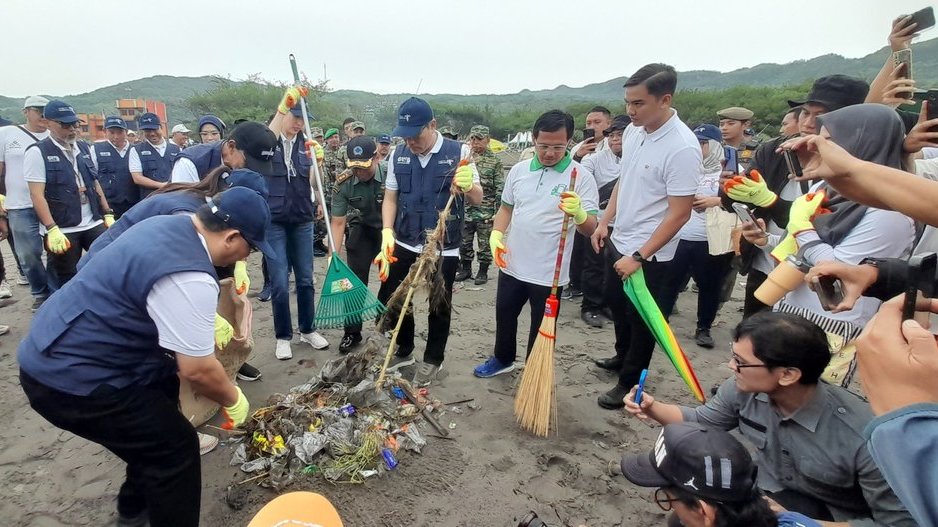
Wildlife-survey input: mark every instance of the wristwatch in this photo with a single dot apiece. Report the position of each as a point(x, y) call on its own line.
point(637, 256)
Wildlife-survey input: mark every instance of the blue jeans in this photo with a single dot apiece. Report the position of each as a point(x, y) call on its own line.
point(293, 243)
point(25, 228)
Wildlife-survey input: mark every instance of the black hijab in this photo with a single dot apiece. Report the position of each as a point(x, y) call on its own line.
point(870, 132)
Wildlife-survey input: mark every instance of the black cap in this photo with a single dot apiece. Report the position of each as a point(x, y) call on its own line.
point(620, 122)
point(705, 462)
point(361, 151)
point(258, 144)
point(835, 92)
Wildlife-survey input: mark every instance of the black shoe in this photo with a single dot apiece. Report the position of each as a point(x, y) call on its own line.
point(612, 400)
point(606, 312)
point(592, 319)
point(703, 338)
point(37, 303)
point(140, 520)
point(573, 292)
point(349, 341)
point(482, 277)
point(611, 364)
point(248, 373)
point(319, 253)
point(463, 273)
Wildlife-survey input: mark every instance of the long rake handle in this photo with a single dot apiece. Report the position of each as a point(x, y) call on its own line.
point(397, 329)
point(563, 239)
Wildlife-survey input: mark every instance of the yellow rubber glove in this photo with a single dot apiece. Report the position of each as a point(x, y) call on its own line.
point(786, 248)
point(223, 331)
point(386, 257)
point(108, 221)
point(3, 203)
point(498, 248)
point(241, 279)
point(290, 97)
point(750, 189)
point(56, 241)
point(463, 177)
point(804, 210)
point(387, 242)
point(571, 204)
point(237, 413)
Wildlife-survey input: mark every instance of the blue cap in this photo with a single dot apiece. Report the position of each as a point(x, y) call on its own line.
point(60, 112)
point(706, 132)
point(384, 139)
point(247, 211)
point(412, 115)
point(243, 177)
point(297, 111)
point(211, 119)
point(114, 122)
point(148, 121)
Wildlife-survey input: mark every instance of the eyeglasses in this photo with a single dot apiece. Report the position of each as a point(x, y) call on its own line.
point(738, 364)
point(550, 148)
point(664, 500)
point(67, 126)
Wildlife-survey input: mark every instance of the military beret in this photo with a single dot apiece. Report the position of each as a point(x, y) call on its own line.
point(737, 113)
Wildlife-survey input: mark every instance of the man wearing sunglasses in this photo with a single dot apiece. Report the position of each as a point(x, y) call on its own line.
point(66, 195)
point(808, 435)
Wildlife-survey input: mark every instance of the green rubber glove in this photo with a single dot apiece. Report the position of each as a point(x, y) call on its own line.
point(56, 241)
point(290, 97)
point(237, 413)
point(787, 247)
point(498, 248)
point(750, 189)
point(571, 204)
point(223, 331)
point(803, 211)
point(241, 279)
point(463, 177)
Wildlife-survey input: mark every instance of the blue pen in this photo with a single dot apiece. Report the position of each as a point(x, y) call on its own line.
point(641, 388)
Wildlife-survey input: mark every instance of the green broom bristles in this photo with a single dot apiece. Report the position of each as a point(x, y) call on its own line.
point(345, 300)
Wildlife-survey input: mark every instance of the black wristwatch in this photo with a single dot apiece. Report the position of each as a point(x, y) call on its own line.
point(637, 256)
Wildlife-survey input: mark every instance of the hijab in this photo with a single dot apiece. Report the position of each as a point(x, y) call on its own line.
point(870, 132)
point(714, 160)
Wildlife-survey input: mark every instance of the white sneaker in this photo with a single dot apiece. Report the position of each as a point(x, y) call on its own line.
point(315, 340)
point(21, 280)
point(283, 351)
point(207, 443)
point(5, 289)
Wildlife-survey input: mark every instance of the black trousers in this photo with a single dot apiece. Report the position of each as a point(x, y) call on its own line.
point(634, 341)
point(592, 278)
point(693, 258)
point(120, 208)
point(362, 245)
point(141, 425)
point(752, 305)
point(509, 301)
point(581, 244)
point(62, 267)
point(438, 321)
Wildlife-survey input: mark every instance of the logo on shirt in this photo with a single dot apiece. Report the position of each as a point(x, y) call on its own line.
point(104, 154)
point(447, 162)
point(558, 190)
point(145, 153)
point(14, 145)
point(53, 159)
point(403, 160)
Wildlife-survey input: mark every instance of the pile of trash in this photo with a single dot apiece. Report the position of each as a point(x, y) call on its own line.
point(337, 426)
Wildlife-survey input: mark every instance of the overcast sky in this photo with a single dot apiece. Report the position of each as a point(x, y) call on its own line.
point(444, 46)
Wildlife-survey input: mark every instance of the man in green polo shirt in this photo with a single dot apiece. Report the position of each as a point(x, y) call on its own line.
point(356, 202)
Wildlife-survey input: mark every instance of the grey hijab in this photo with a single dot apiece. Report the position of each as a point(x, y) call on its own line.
point(871, 132)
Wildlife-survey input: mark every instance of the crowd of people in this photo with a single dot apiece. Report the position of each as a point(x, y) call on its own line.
point(136, 235)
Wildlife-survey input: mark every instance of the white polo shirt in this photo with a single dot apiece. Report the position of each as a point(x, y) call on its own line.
point(666, 162)
point(533, 193)
point(13, 143)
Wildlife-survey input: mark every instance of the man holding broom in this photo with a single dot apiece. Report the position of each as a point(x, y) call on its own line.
point(533, 193)
point(422, 174)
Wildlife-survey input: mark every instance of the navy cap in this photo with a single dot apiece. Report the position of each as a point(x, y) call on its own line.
point(412, 115)
point(60, 112)
point(360, 151)
point(247, 178)
point(297, 111)
point(211, 119)
point(706, 132)
point(384, 139)
point(247, 211)
point(114, 122)
point(258, 144)
point(148, 121)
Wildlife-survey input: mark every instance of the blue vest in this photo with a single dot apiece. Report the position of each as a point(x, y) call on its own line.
point(153, 165)
point(156, 205)
point(290, 198)
point(423, 192)
point(114, 175)
point(96, 329)
point(204, 157)
point(61, 186)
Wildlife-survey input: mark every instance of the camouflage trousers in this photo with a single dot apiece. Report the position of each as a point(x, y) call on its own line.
point(471, 229)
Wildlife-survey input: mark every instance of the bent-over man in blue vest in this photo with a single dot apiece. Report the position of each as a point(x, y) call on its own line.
point(113, 164)
point(65, 192)
point(250, 146)
point(102, 356)
point(420, 176)
point(151, 160)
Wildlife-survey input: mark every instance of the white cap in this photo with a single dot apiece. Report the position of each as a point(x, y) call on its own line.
point(181, 128)
point(35, 101)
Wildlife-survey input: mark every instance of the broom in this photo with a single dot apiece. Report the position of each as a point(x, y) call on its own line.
point(535, 403)
point(425, 274)
point(345, 300)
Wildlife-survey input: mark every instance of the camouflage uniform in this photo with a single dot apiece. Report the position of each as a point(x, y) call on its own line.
point(342, 154)
point(331, 165)
point(479, 217)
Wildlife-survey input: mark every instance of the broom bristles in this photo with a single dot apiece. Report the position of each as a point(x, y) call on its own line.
point(535, 406)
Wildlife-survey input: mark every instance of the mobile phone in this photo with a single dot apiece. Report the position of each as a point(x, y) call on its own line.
point(588, 134)
point(903, 59)
point(794, 166)
point(921, 277)
point(731, 158)
point(641, 387)
point(931, 97)
point(746, 215)
point(924, 19)
point(830, 291)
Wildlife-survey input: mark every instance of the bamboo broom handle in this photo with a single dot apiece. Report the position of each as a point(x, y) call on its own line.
point(563, 239)
point(397, 328)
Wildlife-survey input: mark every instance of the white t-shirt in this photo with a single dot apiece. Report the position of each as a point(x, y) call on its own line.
point(182, 305)
point(663, 163)
point(390, 183)
point(533, 193)
point(929, 152)
point(134, 162)
point(13, 143)
point(605, 166)
point(695, 230)
point(184, 171)
point(34, 171)
point(120, 151)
